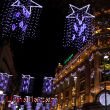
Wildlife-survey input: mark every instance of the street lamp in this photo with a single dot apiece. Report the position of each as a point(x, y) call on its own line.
point(75, 80)
point(106, 57)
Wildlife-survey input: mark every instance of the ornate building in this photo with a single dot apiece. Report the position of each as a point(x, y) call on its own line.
point(80, 82)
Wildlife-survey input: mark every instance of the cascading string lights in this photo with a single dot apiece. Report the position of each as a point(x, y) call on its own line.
point(20, 19)
point(78, 27)
point(26, 84)
point(4, 81)
point(48, 85)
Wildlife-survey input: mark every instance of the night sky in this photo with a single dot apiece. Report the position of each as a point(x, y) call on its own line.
point(40, 56)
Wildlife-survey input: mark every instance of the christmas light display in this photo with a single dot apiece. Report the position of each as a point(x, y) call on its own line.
point(13, 105)
point(21, 107)
point(73, 74)
point(4, 80)
point(47, 106)
point(38, 106)
point(20, 19)
point(2, 98)
point(26, 83)
point(28, 103)
point(54, 102)
point(67, 80)
point(48, 85)
point(91, 58)
point(79, 27)
point(81, 68)
point(16, 99)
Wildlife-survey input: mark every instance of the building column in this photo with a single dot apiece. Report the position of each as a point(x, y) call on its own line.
point(97, 76)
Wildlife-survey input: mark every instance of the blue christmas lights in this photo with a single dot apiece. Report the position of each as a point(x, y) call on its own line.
point(38, 106)
point(48, 85)
point(79, 27)
point(28, 103)
point(4, 80)
point(26, 83)
point(20, 19)
point(54, 102)
point(2, 98)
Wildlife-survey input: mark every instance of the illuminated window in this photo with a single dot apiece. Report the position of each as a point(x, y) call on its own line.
point(62, 96)
point(73, 91)
point(83, 99)
point(105, 73)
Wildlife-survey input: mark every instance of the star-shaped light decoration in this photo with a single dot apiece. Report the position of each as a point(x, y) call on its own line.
point(78, 27)
point(5, 74)
point(34, 5)
point(83, 10)
point(27, 76)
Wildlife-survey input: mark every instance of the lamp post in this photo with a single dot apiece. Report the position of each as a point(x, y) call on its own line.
point(75, 80)
point(106, 57)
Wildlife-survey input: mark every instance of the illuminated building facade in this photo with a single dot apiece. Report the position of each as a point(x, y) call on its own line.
point(80, 81)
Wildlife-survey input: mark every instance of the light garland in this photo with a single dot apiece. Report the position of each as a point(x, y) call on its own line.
point(79, 27)
point(91, 57)
point(26, 83)
point(19, 20)
point(2, 98)
point(73, 74)
point(81, 69)
point(48, 85)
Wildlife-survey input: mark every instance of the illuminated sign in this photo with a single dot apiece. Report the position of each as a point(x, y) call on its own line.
point(68, 59)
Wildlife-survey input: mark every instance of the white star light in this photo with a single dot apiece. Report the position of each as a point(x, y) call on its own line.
point(83, 9)
point(27, 76)
point(19, 4)
point(5, 74)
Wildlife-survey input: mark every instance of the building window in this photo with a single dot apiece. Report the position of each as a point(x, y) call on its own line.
point(67, 94)
point(62, 96)
point(82, 75)
point(92, 64)
point(105, 64)
point(82, 86)
point(105, 75)
point(83, 98)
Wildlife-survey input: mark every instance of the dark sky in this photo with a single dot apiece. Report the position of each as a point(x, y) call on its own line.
point(39, 57)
